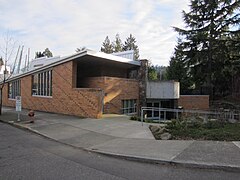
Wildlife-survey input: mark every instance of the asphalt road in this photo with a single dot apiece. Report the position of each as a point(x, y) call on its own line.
point(24, 155)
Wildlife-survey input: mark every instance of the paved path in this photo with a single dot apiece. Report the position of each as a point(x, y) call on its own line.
point(118, 136)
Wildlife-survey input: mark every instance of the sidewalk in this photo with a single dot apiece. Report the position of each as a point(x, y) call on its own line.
point(117, 136)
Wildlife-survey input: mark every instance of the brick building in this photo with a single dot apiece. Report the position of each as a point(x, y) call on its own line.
point(85, 84)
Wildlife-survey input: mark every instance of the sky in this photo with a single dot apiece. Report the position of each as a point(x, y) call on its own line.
point(64, 25)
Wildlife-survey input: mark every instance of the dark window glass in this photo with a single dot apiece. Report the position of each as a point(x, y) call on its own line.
point(42, 84)
point(14, 89)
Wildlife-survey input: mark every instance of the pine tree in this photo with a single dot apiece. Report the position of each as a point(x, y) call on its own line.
point(107, 46)
point(117, 44)
point(130, 44)
point(38, 55)
point(47, 53)
point(209, 27)
point(152, 72)
point(178, 70)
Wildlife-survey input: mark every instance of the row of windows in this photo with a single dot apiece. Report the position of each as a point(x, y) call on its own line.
point(41, 85)
point(14, 89)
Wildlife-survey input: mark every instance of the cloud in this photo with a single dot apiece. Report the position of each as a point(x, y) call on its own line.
point(64, 25)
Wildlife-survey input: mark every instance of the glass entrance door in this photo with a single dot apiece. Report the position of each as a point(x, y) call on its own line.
point(153, 113)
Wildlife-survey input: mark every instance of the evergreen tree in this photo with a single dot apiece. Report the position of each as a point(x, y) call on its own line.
point(152, 73)
point(107, 46)
point(209, 27)
point(47, 53)
point(38, 55)
point(130, 44)
point(162, 72)
point(117, 44)
point(178, 70)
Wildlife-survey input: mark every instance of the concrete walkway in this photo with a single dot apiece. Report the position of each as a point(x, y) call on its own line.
point(116, 135)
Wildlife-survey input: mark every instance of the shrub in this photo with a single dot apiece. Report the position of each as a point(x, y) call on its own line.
point(213, 125)
point(177, 124)
point(194, 124)
point(135, 118)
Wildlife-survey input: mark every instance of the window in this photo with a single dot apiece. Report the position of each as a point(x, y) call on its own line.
point(129, 106)
point(14, 89)
point(42, 84)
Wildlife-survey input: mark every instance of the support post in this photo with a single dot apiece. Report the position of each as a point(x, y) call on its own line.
point(18, 119)
point(142, 78)
point(159, 115)
point(164, 115)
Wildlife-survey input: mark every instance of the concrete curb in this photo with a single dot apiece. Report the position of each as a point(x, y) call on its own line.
point(136, 158)
point(174, 163)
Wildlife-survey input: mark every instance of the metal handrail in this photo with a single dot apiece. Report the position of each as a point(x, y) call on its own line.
point(230, 114)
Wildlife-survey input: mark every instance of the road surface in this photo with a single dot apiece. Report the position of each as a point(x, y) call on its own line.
point(25, 155)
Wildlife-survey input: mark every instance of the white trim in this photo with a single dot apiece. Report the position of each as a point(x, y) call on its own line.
point(11, 99)
point(112, 57)
point(194, 95)
point(45, 68)
point(75, 56)
point(41, 96)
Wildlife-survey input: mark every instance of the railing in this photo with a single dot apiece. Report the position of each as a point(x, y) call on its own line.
point(163, 114)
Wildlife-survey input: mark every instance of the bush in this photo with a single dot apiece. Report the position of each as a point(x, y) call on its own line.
point(177, 124)
point(213, 125)
point(212, 130)
point(194, 124)
point(135, 118)
point(148, 121)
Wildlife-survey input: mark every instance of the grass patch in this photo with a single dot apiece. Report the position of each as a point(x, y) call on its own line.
point(211, 130)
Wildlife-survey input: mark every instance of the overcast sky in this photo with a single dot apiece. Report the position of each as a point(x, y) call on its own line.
point(64, 25)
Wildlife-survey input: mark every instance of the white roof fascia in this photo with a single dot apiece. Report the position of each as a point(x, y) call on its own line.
point(114, 58)
point(63, 60)
point(74, 56)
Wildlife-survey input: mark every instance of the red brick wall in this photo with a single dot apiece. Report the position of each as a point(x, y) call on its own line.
point(115, 90)
point(65, 99)
point(194, 101)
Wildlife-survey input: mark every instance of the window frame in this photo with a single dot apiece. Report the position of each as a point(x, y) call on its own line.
point(129, 106)
point(14, 87)
point(42, 84)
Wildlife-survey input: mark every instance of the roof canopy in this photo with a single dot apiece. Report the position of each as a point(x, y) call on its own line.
point(84, 55)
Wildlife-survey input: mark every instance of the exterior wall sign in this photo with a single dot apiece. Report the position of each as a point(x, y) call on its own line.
point(18, 103)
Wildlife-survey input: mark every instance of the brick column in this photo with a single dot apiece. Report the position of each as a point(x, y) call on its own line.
point(142, 77)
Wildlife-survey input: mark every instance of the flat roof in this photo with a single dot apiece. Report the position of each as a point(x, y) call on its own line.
point(80, 54)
